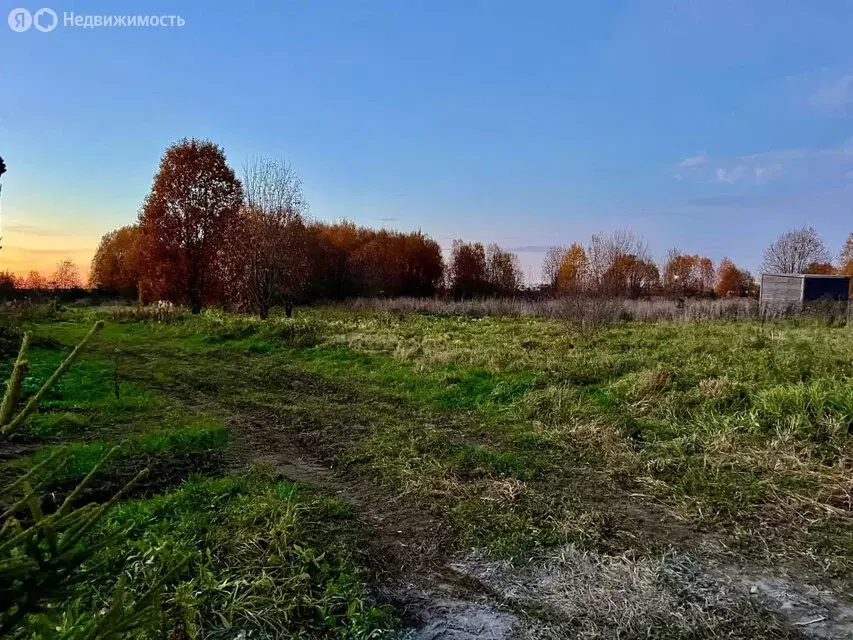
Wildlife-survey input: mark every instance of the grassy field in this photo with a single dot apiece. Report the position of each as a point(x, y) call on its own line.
point(309, 468)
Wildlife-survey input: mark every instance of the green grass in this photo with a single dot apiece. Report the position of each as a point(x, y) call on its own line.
point(727, 423)
point(83, 457)
point(517, 433)
point(264, 557)
point(730, 423)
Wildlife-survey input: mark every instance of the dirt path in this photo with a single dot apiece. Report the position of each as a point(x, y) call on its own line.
point(406, 548)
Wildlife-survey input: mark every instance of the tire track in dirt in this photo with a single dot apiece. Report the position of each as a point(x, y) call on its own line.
point(407, 549)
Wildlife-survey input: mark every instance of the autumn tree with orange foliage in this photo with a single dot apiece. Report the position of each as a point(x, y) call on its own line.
point(821, 268)
point(614, 259)
point(391, 263)
point(329, 248)
point(475, 270)
point(734, 282)
point(357, 261)
point(630, 276)
point(184, 223)
point(117, 264)
point(572, 270)
point(686, 275)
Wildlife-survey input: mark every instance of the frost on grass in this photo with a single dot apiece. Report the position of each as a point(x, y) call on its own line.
point(460, 620)
point(583, 594)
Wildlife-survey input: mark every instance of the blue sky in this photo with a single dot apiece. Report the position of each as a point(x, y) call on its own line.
point(708, 125)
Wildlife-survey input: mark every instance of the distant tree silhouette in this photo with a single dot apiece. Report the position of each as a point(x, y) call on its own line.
point(66, 276)
point(467, 273)
point(503, 273)
point(8, 282)
point(35, 280)
point(184, 222)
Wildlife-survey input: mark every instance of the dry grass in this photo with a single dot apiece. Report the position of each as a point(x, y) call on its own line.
point(583, 311)
point(588, 595)
point(713, 387)
point(651, 383)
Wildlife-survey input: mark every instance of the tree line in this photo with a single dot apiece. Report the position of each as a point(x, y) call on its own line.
point(205, 237)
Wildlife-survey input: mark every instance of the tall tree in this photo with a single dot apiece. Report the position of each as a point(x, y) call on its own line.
point(269, 253)
point(503, 272)
point(467, 272)
point(185, 220)
point(630, 276)
point(8, 282)
point(794, 251)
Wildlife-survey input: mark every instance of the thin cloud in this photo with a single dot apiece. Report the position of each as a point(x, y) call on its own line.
point(825, 92)
point(31, 230)
point(731, 176)
point(826, 167)
point(693, 161)
point(47, 252)
point(834, 95)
